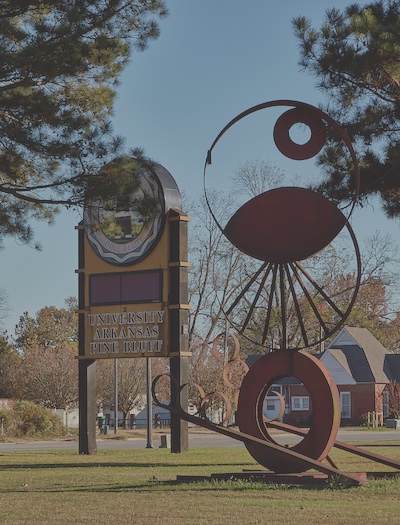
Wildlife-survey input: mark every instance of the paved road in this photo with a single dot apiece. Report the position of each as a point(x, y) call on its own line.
point(199, 439)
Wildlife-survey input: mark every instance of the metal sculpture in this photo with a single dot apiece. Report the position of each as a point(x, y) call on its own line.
point(285, 226)
point(325, 403)
point(282, 228)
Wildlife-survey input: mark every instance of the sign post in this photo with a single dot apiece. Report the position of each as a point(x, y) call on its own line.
point(133, 287)
point(179, 325)
point(86, 368)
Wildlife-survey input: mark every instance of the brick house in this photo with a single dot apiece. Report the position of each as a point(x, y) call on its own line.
point(362, 369)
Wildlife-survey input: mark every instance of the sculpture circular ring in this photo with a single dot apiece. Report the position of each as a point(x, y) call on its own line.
point(282, 406)
point(178, 388)
point(217, 355)
point(153, 390)
point(225, 371)
point(210, 396)
point(291, 149)
point(200, 392)
point(325, 404)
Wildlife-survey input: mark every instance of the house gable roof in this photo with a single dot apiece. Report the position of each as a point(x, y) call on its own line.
point(336, 362)
point(392, 366)
point(364, 354)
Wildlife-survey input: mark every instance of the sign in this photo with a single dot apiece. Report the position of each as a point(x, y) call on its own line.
point(132, 333)
point(133, 273)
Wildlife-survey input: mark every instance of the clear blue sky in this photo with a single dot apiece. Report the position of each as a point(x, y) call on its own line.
point(214, 59)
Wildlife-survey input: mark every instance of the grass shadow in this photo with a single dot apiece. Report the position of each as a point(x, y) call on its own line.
point(206, 485)
point(19, 466)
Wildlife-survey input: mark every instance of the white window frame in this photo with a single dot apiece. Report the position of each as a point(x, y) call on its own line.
point(300, 403)
point(275, 388)
point(345, 414)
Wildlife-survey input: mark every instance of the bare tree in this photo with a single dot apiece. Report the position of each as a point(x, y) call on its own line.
point(49, 376)
point(204, 369)
point(131, 384)
point(254, 177)
point(394, 399)
point(218, 268)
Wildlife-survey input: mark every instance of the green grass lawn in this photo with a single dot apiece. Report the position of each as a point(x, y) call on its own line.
point(138, 486)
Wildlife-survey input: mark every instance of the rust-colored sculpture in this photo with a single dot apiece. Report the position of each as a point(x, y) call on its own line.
point(282, 228)
point(285, 226)
point(325, 402)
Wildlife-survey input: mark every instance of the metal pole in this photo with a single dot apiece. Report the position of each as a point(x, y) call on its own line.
point(115, 396)
point(149, 405)
point(321, 344)
point(226, 342)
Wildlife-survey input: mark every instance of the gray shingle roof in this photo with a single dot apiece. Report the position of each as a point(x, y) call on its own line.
point(391, 366)
point(357, 363)
point(368, 361)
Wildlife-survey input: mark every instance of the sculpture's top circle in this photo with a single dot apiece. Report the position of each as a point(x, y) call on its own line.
point(288, 224)
point(287, 146)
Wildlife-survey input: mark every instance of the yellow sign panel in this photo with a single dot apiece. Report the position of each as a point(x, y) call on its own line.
point(126, 313)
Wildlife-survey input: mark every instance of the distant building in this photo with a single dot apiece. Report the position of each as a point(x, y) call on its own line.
point(362, 369)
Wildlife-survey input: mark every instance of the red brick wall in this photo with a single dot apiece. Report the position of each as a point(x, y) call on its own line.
point(365, 397)
point(362, 401)
point(296, 417)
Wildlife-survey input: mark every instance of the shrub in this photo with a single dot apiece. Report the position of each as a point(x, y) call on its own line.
point(27, 419)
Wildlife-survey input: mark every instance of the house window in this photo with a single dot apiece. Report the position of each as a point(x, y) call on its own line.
point(345, 404)
point(385, 403)
point(276, 388)
point(300, 403)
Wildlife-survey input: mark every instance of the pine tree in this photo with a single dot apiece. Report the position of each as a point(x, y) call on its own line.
point(355, 56)
point(61, 62)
